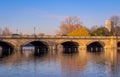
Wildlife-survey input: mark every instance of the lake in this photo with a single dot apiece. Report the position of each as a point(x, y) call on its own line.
point(58, 64)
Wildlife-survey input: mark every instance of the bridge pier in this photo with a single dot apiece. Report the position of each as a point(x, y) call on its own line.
point(55, 47)
point(59, 48)
point(82, 47)
point(0, 52)
point(52, 48)
point(18, 49)
point(113, 42)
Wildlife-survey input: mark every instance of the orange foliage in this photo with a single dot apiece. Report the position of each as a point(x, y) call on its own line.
point(79, 32)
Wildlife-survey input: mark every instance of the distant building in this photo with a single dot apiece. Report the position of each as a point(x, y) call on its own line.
point(109, 25)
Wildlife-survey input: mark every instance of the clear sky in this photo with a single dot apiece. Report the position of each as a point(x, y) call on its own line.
point(46, 15)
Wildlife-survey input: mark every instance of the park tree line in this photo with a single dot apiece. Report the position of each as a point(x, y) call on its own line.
point(7, 32)
point(72, 26)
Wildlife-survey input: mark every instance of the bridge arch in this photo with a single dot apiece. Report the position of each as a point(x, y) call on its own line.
point(29, 41)
point(95, 46)
point(38, 46)
point(118, 44)
point(70, 46)
point(6, 48)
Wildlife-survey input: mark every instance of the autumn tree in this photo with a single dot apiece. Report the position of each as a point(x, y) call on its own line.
point(6, 31)
point(101, 31)
point(79, 32)
point(69, 24)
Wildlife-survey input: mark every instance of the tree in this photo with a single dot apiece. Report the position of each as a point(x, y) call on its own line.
point(101, 31)
point(69, 24)
point(117, 28)
point(41, 34)
point(116, 24)
point(116, 20)
point(94, 27)
point(79, 32)
point(6, 31)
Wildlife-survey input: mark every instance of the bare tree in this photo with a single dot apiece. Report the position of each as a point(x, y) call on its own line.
point(6, 31)
point(116, 20)
point(94, 28)
point(116, 24)
point(41, 34)
point(69, 24)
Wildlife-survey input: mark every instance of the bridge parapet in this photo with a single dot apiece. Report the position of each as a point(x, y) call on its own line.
point(58, 37)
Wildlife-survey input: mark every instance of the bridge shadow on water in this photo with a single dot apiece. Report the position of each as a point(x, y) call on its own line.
point(95, 47)
point(29, 51)
point(95, 50)
point(70, 47)
point(6, 51)
point(38, 51)
point(34, 52)
point(37, 48)
point(70, 50)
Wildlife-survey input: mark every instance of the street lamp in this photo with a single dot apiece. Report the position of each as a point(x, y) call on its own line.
point(16, 31)
point(34, 30)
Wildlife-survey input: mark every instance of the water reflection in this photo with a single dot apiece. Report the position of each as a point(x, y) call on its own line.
point(73, 64)
point(52, 64)
point(34, 51)
point(6, 51)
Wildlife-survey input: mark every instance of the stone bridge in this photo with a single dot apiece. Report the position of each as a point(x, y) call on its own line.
point(55, 42)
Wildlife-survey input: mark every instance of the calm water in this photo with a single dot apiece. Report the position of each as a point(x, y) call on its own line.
point(82, 64)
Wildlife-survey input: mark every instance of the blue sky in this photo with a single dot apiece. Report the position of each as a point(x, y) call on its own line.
point(46, 15)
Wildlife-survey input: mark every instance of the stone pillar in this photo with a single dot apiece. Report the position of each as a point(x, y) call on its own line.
point(113, 42)
point(59, 48)
point(50, 48)
point(55, 47)
point(82, 47)
point(0, 52)
point(18, 49)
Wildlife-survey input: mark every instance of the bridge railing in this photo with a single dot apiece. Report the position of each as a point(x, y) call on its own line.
point(53, 36)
